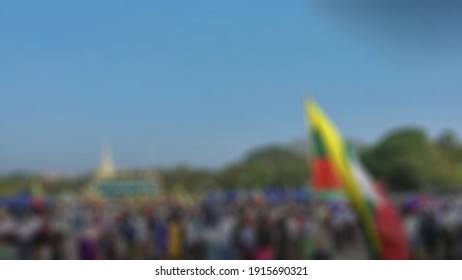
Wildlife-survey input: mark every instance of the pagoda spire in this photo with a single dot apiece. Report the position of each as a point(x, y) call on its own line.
point(106, 169)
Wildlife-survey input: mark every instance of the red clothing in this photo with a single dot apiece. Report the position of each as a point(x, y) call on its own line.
point(264, 254)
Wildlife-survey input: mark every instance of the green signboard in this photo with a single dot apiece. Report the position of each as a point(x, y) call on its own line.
point(121, 189)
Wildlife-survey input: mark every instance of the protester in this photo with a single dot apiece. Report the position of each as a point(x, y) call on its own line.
point(242, 229)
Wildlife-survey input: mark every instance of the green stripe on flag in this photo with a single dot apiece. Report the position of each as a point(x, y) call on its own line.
point(317, 144)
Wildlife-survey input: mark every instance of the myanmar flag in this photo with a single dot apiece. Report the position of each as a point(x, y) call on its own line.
point(379, 218)
point(323, 174)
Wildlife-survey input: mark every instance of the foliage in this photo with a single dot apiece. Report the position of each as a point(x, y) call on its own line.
point(406, 159)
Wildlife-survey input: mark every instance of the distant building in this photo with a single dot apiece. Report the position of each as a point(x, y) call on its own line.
point(108, 182)
point(106, 169)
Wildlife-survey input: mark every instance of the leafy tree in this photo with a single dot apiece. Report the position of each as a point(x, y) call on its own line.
point(271, 166)
point(408, 160)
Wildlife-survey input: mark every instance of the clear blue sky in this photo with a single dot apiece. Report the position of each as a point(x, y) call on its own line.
point(202, 82)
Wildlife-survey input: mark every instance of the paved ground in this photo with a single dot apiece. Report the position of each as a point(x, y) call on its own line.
point(358, 252)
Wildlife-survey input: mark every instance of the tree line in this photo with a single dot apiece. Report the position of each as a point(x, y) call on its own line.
point(405, 159)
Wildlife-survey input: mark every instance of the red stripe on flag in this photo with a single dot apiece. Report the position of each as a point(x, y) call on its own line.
point(391, 230)
point(324, 176)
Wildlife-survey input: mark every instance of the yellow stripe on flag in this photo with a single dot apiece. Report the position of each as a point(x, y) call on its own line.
point(337, 153)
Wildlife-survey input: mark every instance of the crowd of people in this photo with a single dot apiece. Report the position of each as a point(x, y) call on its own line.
point(246, 229)
point(173, 230)
point(434, 227)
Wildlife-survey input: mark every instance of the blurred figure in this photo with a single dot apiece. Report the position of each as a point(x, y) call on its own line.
point(321, 238)
point(27, 230)
point(281, 237)
point(175, 237)
point(194, 241)
point(429, 234)
point(244, 229)
point(88, 245)
point(411, 224)
point(245, 236)
point(7, 228)
point(264, 249)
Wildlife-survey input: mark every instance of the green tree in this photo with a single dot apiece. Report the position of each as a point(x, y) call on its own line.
point(270, 166)
point(408, 160)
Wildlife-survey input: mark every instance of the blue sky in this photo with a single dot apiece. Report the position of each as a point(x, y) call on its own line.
point(202, 82)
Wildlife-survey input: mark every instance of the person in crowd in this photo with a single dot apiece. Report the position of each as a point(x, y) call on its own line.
point(264, 249)
point(242, 229)
point(175, 236)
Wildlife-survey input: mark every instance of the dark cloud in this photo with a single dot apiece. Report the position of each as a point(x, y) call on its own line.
point(419, 24)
